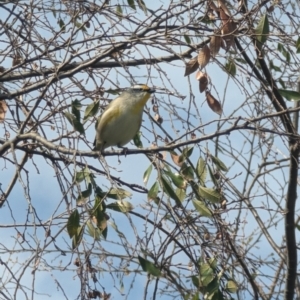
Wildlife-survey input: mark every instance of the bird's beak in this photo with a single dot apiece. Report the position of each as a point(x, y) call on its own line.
point(151, 91)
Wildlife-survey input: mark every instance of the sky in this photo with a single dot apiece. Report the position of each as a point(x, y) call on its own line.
point(42, 198)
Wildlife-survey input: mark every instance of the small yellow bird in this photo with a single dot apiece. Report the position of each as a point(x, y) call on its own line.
point(122, 118)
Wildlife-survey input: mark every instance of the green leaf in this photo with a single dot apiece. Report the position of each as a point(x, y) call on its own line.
point(262, 30)
point(230, 67)
point(168, 189)
point(212, 176)
point(209, 194)
point(79, 127)
point(287, 56)
point(70, 117)
point(195, 297)
point(298, 45)
point(142, 6)
point(62, 25)
point(100, 219)
point(118, 194)
point(77, 237)
point(75, 122)
point(93, 231)
point(149, 267)
point(91, 110)
point(187, 172)
point(186, 153)
point(147, 174)
point(82, 198)
point(131, 4)
point(80, 26)
point(99, 204)
point(176, 179)
point(205, 19)
point(284, 52)
point(137, 140)
point(87, 193)
point(290, 95)
point(104, 232)
point(231, 286)
point(79, 176)
point(187, 39)
point(274, 67)
point(196, 281)
point(119, 11)
point(240, 60)
point(73, 223)
point(54, 13)
point(282, 83)
point(212, 289)
point(181, 194)
point(76, 106)
point(120, 206)
point(201, 170)
point(218, 163)
point(201, 208)
point(213, 261)
point(206, 274)
point(85, 174)
point(152, 194)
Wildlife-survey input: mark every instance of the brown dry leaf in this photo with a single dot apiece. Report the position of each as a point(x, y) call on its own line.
point(191, 66)
point(3, 110)
point(211, 16)
point(106, 296)
point(271, 8)
point(213, 103)
point(199, 74)
point(218, 235)
point(2, 69)
point(203, 80)
point(223, 45)
point(95, 221)
point(164, 155)
point(213, 6)
point(222, 6)
point(175, 159)
point(17, 60)
point(117, 53)
point(158, 119)
point(77, 262)
point(215, 45)
point(155, 108)
point(223, 204)
point(223, 16)
point(204, 57)
point(153, 145)
point(206, 236)
point(228, 31)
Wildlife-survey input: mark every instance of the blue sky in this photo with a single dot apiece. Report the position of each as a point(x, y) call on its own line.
point(47, 202)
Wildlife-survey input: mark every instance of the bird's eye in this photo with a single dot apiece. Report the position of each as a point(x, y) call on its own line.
point(139, 89)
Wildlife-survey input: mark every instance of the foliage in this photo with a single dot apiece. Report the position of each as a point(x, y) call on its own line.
point(202, 204)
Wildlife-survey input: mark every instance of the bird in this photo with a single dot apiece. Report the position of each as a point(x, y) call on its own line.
point(122, 118)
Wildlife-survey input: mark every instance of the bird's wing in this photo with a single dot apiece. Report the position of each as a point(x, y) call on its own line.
point(110, 112)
